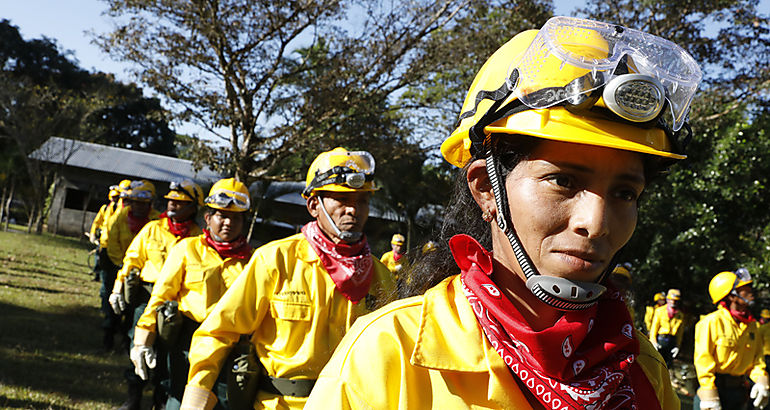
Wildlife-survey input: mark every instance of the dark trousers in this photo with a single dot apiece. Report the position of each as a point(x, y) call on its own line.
point(733, 392)
point(111, 323)
point(179, 367)
point(159, 375)
point(665, 344)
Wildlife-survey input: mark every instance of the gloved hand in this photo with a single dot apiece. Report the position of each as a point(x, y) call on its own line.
point(710, 405)
point(674, 352)
point(760, 394)
point(117, 302)
point(143, 358)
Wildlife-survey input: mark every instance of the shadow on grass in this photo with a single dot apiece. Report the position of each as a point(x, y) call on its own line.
point(59, 352)
point(33, 288)
point(7, 403)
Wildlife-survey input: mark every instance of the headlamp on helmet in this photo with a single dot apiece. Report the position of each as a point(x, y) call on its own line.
point(142, 190)
point(185, 190)
point(340, 170)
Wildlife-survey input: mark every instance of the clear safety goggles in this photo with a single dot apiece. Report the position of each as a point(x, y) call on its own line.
point(225, 198)
point(742, 275)
point(571, 57)
point(352, 169)
point(180, 186)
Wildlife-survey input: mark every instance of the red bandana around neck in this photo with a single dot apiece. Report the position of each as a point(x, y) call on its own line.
point(586, 360)
point(134, 223)
point(180, 229)
point(671, 311)
point(397, 256)
point(743, 317)
point(349, 265)
point(237, 249)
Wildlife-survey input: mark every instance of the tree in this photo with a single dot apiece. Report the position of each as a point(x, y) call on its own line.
point(230, 64)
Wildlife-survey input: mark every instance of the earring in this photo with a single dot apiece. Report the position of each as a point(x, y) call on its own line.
point(486, 216)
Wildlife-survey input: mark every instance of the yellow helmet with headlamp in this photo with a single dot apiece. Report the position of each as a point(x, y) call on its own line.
point(576, 81)
point(340, 170)
point(185, 190)
point(142, 190)
point(725, 283)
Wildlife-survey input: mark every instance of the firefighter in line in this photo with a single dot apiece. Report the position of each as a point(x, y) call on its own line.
point(658, 300)
point(197, 272)
point(517, 312)
point(728, 347)
point(395, 259)
point(141, 267)
point(121, 229)
point(101, 218)
point(666, 330)
point(621, 278)
point(99, 231)
point(298, 295)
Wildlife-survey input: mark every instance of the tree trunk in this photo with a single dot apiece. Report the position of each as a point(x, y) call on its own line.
point(8, 203)
point(85, 210)
point(2, 202)
point(31, 218)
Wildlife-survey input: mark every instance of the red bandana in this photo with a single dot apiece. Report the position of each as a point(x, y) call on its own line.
point(743, 317)
point(350, 266)
point(237, 249)
point(586, 360)
point(397, 256)
point(671, 311)
point(134, 223)
point(180, 229)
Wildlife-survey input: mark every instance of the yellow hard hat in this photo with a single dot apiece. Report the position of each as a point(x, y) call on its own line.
point(120, 189)
point(340, 170)
point(229, 195)
point(114, 194)
point(659, 296)
point(674, 294)
point(185, 190)
point(536, 75)
point(429, 246)
point(765, 314)
point(124, 184)
point(725, 282)
point(622, 271)
point(397, 239)
point(142, 190)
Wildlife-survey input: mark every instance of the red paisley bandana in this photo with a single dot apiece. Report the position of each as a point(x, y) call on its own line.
point(134, 223)
point(180, 229)
point(586, 360)
point(349, 265)
point(743, 317)
point(397, 256)
point(237, 249)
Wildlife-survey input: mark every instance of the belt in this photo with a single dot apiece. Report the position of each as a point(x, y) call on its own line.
point(729, 381)
point(286, 387)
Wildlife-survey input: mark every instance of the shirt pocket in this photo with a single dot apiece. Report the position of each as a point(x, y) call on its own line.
point(725, 347)
point(194, 275)
point(285, 310)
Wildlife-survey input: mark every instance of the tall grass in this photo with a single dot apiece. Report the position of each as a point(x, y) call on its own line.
point(51, 355)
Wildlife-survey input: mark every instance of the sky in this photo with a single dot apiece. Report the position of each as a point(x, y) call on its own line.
point(68, 21)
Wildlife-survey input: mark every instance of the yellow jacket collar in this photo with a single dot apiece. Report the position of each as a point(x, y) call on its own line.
point(305, 252)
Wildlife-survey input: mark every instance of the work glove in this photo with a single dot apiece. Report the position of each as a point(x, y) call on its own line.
point(143, 358)
point(674, 352)
point(711, 405)
point(117, 302)
point(760, 394)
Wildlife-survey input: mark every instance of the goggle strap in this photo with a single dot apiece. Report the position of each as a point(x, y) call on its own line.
point(181, 189)
point(327, 178)
point(496, 95)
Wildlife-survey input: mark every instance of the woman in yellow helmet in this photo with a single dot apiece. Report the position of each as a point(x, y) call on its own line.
point(560, 133)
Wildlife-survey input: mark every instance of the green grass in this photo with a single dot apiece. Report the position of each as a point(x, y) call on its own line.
point(50, 337)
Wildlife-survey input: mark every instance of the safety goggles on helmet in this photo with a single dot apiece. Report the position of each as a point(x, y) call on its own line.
point(179, 186)
point(351, 169)
point(742, 277)
point(570, 59)
point(224, 199)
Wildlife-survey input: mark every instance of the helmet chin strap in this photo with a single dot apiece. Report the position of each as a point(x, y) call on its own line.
point(560, 293)
point(748, 302)
point(345, 236)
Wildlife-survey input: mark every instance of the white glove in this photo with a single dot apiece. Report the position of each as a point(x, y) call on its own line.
point(710, 405)
point(674, 352)
point(117, 302)
point(760, 395)
point(143, 358)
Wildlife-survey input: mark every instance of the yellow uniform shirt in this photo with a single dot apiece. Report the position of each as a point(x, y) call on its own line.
point(99, 219)
point(429, 352)
point(649, 312)
point(723, 345)
point(109, 212)
point(288, 303)
point(119, 234)
point(149, 248)
point(195, 276)
point(764, 331)
point(390, 263)
point(663, 325)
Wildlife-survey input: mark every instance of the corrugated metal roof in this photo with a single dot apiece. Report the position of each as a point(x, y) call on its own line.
point(120, 161)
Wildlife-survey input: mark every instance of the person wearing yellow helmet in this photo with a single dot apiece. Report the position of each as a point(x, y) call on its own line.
point(658, 300)
point(123, 225)
point(560, 133)
point(729, 347)
point(142, 264)
point(95, 233)
point(395, 259)
point(298, 295)
point(666, 329)
point(196, 273)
